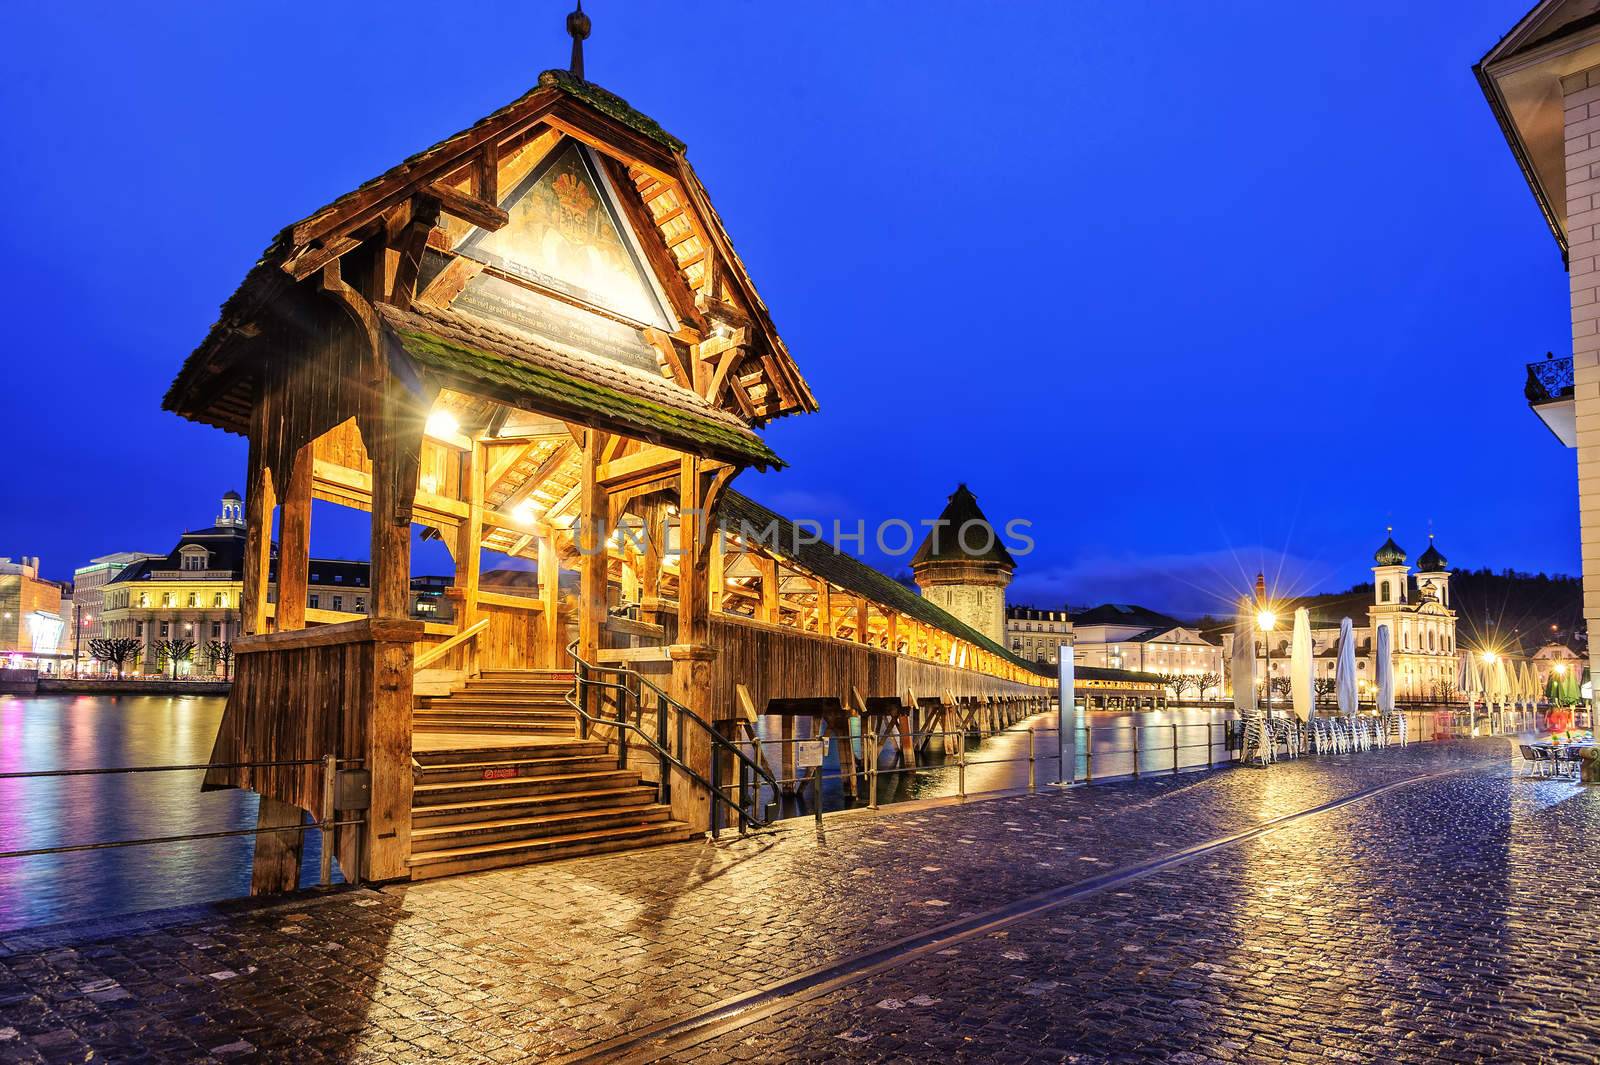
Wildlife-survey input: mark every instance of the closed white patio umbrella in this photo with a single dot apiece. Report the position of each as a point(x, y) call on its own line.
point(1345, 670)
point(1302, 667)
point(1385, 664)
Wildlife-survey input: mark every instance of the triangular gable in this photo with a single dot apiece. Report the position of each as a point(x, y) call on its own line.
point(567, 233)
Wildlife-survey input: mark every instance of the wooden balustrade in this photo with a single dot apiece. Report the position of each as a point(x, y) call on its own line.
point(340, 689)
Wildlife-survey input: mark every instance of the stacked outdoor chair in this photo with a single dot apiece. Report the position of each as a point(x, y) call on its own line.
point(1536, 762)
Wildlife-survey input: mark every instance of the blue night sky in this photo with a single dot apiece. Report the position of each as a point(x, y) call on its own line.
point(1194, 288)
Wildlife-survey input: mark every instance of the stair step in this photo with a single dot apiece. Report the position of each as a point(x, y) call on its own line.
point(493, 855)
point(516, 829)
point(526, 674)
point(507, 753)
point(457, 791)
point(496, 702)
point(493, 728)
point(507, 770)
point(530, 805)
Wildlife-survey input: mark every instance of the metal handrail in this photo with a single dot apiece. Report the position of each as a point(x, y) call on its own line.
point(580, 678)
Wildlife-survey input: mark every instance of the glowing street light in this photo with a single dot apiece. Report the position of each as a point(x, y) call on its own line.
point(441, 424)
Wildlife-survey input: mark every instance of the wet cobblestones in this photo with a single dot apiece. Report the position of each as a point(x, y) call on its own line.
point(1323, 924)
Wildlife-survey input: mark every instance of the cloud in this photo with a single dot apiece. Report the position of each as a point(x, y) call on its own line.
point(1184, 584)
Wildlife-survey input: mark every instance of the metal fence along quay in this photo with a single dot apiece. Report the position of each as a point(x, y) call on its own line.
point(331, 768)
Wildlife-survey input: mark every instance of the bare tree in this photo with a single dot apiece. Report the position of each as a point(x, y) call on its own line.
point(116, 651)
point(1178, 682)
point(1205, 682)
point(1322, 687)
point(171, 652)
point(220, 653)
point(1282, 687)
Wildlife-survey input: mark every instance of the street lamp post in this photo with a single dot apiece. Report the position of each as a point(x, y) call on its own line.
point(1266, 621)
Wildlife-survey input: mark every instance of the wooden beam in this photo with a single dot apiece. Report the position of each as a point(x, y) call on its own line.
point(469, 208)
point(646, 464)
point(449, 282)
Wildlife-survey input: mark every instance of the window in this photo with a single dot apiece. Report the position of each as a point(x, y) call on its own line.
point(338, 601)
point(1383, 592)
point(163, 628)
point(361, 605)
point(194, 600)
point(216, 629)
point(313, 600)
point(220, 599)
point(166, 599)
point(338, 578)
point(138, 628)
point(144, 599)
point(194, 560)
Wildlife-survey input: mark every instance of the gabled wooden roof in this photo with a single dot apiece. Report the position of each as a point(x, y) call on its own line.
point(684, 240)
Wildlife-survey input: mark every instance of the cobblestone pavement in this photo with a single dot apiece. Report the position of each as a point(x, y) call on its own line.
point(1411, 924)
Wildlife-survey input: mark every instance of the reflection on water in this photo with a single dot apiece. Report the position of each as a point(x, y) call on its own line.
point(96, 731)
point(1109, 745)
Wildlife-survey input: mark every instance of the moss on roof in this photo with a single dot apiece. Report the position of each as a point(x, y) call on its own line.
point(610, 104)
point(570, 393)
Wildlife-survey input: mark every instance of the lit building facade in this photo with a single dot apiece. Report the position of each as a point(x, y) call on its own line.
point(89, 593)
point(1123, 636)
point(32, 626)
point(1037, 635)
point(192, 594)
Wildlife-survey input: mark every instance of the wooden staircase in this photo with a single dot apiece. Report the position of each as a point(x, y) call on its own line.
point(500, 780)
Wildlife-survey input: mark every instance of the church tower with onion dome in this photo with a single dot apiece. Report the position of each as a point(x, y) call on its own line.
point(963, 568)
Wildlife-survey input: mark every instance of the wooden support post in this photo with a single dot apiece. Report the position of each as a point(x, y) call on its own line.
point(716, 573)
point(824, 608)
point(592, 514)
point(693, 654)
point(469, 552)
point(768, 566)
point(259, 504)
point(654, 515)
point(552, 634)
point(294, 544)
point(863, 620)
point(786, 755)
point(392, 432)
point(275, 869)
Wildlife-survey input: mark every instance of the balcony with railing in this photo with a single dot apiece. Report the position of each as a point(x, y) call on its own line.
point(1549, 390)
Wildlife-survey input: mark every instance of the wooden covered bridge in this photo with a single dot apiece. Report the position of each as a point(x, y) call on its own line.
point(533, 340)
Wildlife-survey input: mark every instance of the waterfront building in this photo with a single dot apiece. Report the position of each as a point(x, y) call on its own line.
point(1037, 635)
point(1542, 81)
point(1555, 659)
point(192, 594)
point(964, 568)
point(31, 622)
point(1123, 636)
point(88, 597)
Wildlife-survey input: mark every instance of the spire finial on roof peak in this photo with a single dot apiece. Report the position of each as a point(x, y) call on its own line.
point(578, 27)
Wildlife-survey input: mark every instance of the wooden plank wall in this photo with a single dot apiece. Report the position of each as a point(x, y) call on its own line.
point(511, 641)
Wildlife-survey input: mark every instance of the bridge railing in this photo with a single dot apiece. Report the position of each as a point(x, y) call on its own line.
point(329, 767)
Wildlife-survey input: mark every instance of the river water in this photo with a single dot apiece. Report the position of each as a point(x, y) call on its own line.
point(98, 731)
point(88, 732)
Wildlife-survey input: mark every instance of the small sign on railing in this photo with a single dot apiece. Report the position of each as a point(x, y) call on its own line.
point(809, 754)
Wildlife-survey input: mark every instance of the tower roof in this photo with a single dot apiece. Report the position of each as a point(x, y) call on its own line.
point(1431, 561)
point(1390, 554)
point(962, 534)
point(230, 494)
